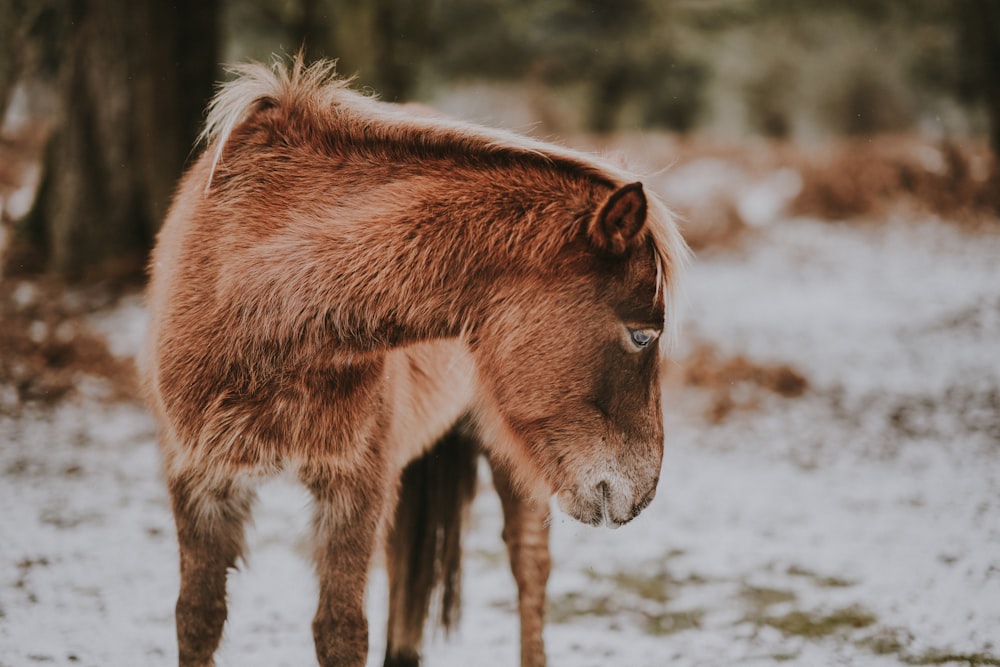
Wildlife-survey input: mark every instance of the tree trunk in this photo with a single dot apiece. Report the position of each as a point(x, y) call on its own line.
point(979, 41)
point(9, 51)
point(986, 20)
point(380, 41)
point(608, 93)
point(312, 30)
point(134, 78)
point(399, 34)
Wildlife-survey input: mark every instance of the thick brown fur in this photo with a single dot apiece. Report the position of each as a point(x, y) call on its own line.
point(339, 281)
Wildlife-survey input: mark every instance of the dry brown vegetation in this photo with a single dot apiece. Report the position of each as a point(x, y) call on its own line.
point(873, 179)
point(47, 350)
point(736, 383)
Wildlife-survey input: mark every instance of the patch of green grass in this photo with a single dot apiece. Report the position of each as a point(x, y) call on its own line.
point(670, 622)
point(818, 579)
point(887, 641)
point(654, 583)
point(784, 657)
point(816, 626)
point(760, 597)
point(657, 586)
point(642, 594)
point(945, 658)
point(896, 642)
point(569, 606)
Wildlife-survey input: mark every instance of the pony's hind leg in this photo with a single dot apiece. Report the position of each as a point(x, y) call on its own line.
point(348, 512)
point(526, 533)
point(210, 517)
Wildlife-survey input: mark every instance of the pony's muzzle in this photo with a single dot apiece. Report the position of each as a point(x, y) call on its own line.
point(615, 512)
point(604, 505)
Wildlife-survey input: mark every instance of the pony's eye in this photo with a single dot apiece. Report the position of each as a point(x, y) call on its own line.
point(641, 338)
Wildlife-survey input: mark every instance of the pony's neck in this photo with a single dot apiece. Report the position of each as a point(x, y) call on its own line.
point(409, 259)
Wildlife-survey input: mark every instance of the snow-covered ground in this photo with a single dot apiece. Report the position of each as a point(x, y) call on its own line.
point(857, 524)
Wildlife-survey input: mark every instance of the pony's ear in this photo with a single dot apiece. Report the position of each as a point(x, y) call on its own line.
point(619, 220)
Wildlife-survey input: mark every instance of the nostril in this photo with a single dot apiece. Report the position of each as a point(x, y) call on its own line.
point(644, 503)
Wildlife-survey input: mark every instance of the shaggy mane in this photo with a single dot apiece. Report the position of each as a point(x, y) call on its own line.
point(316, 90)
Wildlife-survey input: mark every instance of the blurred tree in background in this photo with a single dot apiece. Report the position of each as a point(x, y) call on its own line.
point(11, 29)
point(132, 78)
point(621, 53)
point(382, 40)
point(979, 34)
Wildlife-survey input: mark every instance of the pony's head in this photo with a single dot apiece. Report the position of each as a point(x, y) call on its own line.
point(571, 355)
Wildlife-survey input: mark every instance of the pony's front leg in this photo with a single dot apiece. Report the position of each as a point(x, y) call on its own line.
point(345, 527)
point(526, 533)
point(210, 518)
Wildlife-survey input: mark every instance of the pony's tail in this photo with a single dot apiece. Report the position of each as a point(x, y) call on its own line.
point(424, 548)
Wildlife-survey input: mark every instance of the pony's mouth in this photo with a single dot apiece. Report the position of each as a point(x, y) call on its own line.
point(594, 509)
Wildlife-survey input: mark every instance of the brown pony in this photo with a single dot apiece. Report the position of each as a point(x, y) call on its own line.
point(341, 284)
